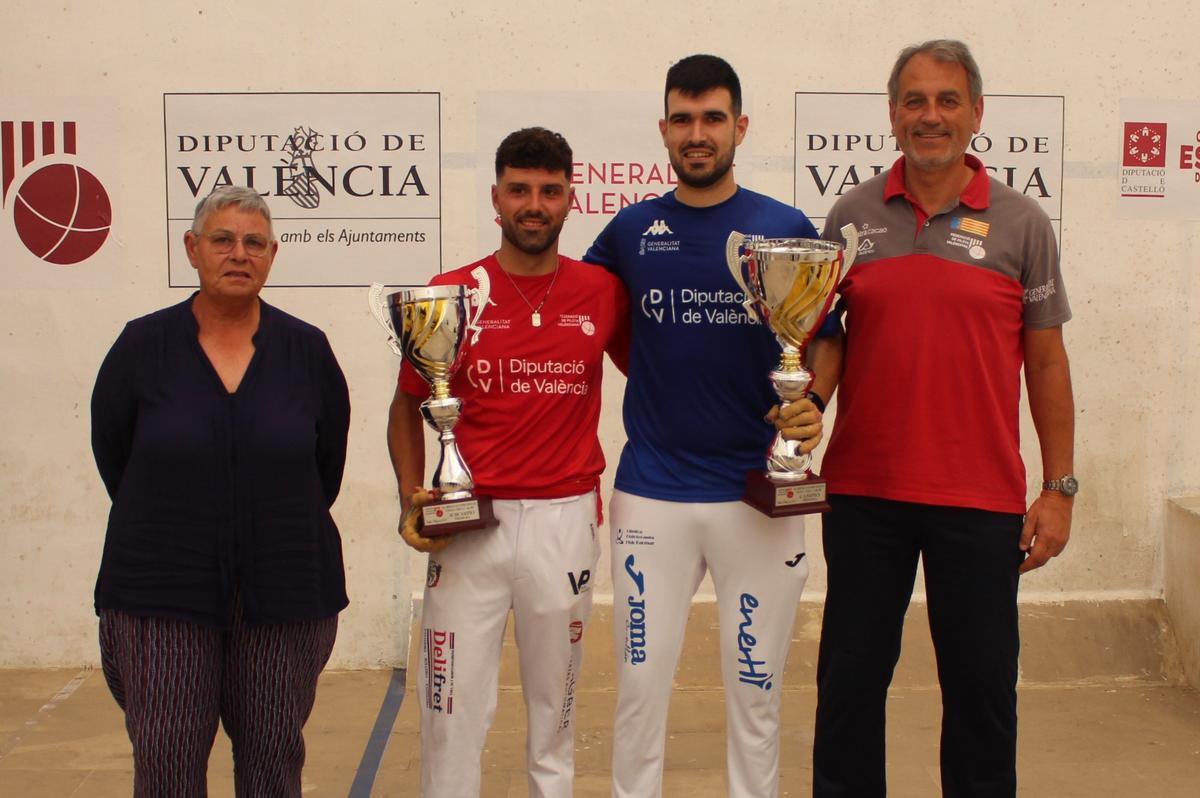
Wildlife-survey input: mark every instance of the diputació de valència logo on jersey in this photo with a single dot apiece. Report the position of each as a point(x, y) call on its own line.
point(353, 179)
point(59, 208)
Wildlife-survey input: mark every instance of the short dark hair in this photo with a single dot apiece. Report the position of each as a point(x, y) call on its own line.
point(697, 74)
point(535, 148)
point(946, 51)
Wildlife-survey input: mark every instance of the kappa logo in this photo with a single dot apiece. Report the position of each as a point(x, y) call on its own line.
point(658, 238)
point(658, 228)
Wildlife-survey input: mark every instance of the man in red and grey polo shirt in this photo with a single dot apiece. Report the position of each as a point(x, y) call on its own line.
point(955, 287)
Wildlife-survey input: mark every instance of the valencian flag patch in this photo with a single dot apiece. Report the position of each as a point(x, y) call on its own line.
point(972, 226)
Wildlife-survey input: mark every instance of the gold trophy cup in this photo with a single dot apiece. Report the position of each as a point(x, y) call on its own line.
point(789, 284)
point(433, 325)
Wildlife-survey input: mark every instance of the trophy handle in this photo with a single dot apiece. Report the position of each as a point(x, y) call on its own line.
point(479, 297)
point(851, 235)
point(379, 311)
point(733, 258)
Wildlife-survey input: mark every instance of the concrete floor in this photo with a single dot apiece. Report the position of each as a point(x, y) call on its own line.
point(1102, 714)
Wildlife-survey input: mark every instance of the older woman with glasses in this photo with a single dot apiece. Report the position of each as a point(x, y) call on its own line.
point(219, 427)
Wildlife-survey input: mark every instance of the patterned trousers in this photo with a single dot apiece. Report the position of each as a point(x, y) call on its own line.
point(175, 679)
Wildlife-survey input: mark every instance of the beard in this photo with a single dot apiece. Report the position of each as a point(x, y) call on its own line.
point(932, 161)
point(692, 179)
point(531, 242)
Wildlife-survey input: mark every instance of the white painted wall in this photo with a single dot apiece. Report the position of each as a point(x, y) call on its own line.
point(1134, 341)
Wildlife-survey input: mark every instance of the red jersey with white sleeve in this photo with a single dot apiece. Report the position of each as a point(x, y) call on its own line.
point(531, 394)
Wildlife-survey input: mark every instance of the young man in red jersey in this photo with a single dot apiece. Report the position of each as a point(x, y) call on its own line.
point(531, 405)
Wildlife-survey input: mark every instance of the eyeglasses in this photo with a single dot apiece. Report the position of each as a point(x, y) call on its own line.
point(223, 241)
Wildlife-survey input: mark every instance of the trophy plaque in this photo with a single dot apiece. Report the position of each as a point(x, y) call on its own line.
point(789, 285)
point(429, 328)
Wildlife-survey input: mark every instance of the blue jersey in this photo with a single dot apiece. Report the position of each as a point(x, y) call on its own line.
point(698, 386)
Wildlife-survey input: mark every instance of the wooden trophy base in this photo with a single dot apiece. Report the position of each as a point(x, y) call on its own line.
point(457, 515)
point(779, 499)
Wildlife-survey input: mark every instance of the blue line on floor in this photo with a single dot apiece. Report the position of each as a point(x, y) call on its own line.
point(368, 766)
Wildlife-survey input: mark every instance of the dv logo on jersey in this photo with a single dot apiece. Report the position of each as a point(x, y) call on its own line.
point(479, 375)
point(580, 584)
point(652, 304)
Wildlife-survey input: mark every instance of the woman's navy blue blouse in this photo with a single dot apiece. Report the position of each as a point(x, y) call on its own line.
point(215, 491)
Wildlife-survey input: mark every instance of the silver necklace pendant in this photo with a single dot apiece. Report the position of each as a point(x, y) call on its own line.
point(535, 314)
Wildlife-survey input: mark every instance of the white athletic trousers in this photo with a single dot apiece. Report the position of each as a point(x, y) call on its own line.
point(660, 551)
point(539, 563)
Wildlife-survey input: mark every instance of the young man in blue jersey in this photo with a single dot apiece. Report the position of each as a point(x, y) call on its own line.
point(694, 416)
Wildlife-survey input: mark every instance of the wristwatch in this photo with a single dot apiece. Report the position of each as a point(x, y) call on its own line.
point(1066, 485)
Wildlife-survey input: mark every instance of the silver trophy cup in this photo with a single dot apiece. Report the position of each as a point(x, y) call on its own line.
point(430, 327)
point(789, 284)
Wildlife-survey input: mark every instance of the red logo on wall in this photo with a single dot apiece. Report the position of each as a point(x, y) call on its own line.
point(1145, 144)
point(61, 211)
